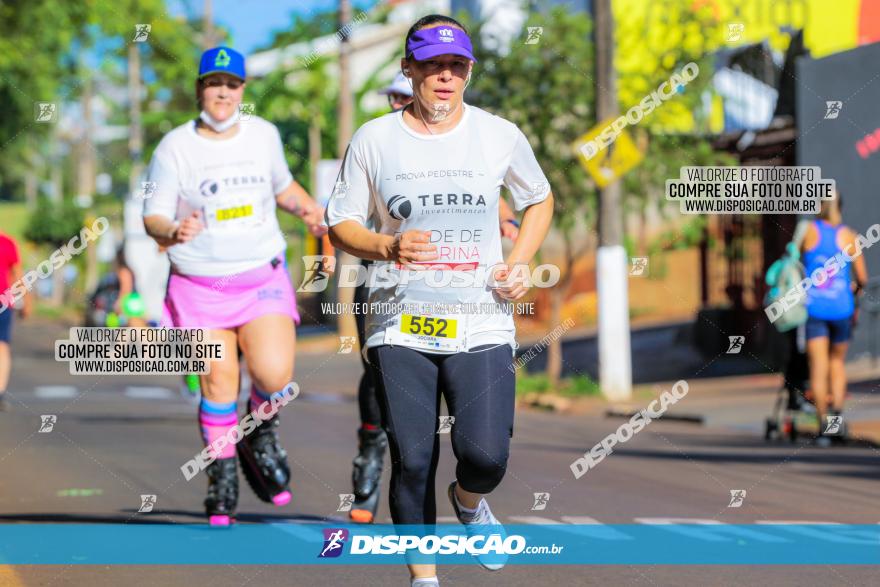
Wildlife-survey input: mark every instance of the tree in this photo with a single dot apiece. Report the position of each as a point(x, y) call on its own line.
point(54, 224)
point(546, 89)
point(36, 40)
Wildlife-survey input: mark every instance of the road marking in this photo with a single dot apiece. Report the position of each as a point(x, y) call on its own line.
point(56, 391)
point(532, 520)
point(787, 522)
point(580, 520)
point(142, 392)
point(671, 521)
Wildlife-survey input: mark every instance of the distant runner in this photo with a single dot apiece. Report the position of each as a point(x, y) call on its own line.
point(218, 183)
point(10, 272)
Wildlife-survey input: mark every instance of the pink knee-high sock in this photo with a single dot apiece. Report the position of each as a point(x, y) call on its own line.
point(259, 397)
point(216, 419)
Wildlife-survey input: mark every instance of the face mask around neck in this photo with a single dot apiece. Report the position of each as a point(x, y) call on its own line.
point(218, 125)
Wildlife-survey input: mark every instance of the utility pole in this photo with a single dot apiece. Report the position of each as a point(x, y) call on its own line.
point(345, 325)
point(615, 355)
point(346, 100)
point(30, 179)
point(86, 163)
point(208, 25)
point(86, 176)
point(135, 133)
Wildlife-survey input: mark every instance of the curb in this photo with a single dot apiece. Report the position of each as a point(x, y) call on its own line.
point(627, 413)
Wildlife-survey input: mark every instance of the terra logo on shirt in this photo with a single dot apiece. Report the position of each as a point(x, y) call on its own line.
point(400, 207)
point(451, 200)
point(208, 188)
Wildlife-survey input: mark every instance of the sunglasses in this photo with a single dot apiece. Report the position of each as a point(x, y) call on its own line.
point(397, 99)
point(232, 84)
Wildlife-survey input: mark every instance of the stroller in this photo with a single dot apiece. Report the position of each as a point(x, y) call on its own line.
point(792, 405)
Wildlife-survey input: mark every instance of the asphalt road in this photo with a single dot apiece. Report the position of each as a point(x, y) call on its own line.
point(116, 438)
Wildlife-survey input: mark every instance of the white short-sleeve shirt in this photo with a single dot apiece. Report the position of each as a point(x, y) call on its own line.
point(233, 183)
point(448, 184)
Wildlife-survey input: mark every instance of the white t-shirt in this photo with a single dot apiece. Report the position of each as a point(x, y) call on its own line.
point(233, 183)
point(450, 184)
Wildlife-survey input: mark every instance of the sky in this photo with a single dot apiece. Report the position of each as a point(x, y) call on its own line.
point(251, 22)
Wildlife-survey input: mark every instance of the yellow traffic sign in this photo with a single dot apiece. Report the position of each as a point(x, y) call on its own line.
point(607, 164)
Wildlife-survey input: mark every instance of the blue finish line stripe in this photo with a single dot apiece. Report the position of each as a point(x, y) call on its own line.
point(566, 544)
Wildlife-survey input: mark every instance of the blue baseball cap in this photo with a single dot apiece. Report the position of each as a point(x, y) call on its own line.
point(222, 60)
point(439, 40)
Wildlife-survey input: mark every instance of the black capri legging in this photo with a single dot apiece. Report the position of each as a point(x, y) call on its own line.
point(479, 388)
point(368, 404)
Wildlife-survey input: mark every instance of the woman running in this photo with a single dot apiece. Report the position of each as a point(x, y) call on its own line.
point(218, 182)
point(429, 178)
point(366, 474)
point(831, 310)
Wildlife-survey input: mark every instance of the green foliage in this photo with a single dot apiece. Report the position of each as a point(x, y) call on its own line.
point(304, 94)
point(169, 67)
point(546, 89)
point(53, 223)
point(579, 386)
point(294, 99)
point(526, 383)
point(36, 37)
point(48, 48)
point(576, 386)
point(321, 23)
point(13, 219)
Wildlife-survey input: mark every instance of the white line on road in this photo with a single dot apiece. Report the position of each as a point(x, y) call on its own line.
point(788, 522)
point(148, 392)
point(580, 520)
point(532, 520)
point(56, 391)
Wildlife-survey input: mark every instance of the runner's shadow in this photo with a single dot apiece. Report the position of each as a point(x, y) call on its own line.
point(161, 517)
point(847, 462)
point(250, 517)
point(55, 518)
point(134, 419)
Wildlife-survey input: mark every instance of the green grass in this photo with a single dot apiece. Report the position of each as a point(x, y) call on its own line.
point(66, 312)
point(532, 383)
point(643, 393)
point(577, 386)
point(13, 219)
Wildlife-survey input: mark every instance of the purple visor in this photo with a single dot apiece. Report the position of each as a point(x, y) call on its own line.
point(440, 40)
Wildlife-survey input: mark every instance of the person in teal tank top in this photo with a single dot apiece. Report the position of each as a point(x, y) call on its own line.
point(831, 310)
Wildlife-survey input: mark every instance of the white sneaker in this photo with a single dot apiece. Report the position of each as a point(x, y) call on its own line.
point(425, 582)
point(476, 524)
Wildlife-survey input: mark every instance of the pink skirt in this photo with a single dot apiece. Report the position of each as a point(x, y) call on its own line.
point(229, 301)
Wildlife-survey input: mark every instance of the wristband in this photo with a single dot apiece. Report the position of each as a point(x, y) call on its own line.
point(512, 221)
